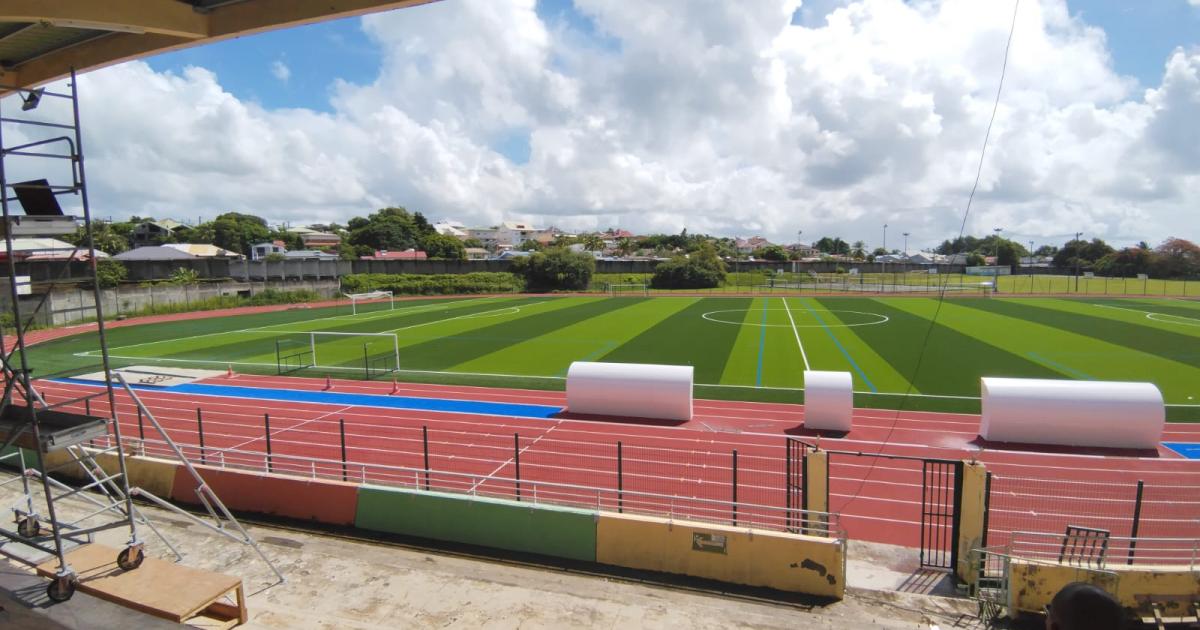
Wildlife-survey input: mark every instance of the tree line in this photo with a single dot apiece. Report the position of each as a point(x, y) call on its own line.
point(393, 228)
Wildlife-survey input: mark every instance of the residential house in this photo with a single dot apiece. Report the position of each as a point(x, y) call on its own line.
point(316, 239)
point(408, 254)
point(309, 254)
point(262, 250)
point(800, 250)
point(204, 250)
point(447, 228)
point(29, 249)
point(749, 245)
point(155, 252)
point(477, 253)
point(154, 232)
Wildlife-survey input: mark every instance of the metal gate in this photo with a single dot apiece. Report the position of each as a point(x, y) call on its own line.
point(941, 499)
point(797, 488)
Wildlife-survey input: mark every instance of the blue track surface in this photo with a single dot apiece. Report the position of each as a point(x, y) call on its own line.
point(443, 405)
point(1190, 450)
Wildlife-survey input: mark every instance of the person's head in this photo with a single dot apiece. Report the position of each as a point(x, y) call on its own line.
point(1080, 606)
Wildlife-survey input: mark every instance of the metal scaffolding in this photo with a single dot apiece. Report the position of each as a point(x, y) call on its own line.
point(31, 428)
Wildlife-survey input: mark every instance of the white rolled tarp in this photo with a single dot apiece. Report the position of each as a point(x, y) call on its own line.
point(828, 400)
point(632, 390)
point(1072, 413)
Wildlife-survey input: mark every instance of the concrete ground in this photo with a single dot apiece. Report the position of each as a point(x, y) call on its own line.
point(343, 582)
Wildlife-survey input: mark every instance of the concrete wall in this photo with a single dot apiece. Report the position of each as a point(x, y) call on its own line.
point(73, 304)
point(787, 562)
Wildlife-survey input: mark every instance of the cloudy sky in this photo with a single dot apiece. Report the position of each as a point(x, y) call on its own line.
point(767, 117)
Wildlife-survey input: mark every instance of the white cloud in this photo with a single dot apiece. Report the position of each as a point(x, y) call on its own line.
point(281, 71)
point(717, 116)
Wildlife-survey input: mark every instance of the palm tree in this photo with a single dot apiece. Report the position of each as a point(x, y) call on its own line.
point(859, 251)
point(625, 246)
point(592, 242)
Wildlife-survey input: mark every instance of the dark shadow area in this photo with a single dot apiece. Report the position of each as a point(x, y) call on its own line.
point(1064, 450)
point(800, 431)
point(649, 422)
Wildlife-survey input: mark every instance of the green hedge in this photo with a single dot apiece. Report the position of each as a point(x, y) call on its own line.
point(433, 284)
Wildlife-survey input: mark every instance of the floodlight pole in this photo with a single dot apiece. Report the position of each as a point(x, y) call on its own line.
point(1077, 235)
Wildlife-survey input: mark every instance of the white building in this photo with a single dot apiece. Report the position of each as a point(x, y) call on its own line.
point(507, 235)
point(456, 230)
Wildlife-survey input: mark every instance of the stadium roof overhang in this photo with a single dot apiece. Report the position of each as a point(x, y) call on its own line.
point(41, 41)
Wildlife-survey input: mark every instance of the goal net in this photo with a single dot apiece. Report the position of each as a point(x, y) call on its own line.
point(628, 289)
point(358, 300)
point(374, 352)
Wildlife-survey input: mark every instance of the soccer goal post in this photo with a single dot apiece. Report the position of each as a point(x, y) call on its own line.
point(628, 289)
point(332, 349)
point(368, 297)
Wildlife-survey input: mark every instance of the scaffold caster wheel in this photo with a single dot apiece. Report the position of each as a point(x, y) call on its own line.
point(130, 558)
point(29, 526)
point(61, 588)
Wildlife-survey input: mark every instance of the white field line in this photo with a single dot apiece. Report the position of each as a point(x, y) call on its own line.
point(263, 330)
point(796, 332)
point(468, 315)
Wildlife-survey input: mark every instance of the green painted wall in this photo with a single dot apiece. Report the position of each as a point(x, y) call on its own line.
point(542, 529)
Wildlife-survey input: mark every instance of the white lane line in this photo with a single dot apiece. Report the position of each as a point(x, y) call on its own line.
point(511, 459)
point(796, 332)
point(296, 426)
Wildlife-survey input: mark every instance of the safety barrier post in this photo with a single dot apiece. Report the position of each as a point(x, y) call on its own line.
point(267, 430)
point(517, 462)
point(200, 427)
point(620, 481)
point(87, 406)
point(425, 447)
point(1137, 521)
point(735, 486)
point(969, 528)
point(141, 426)
point(342, 432)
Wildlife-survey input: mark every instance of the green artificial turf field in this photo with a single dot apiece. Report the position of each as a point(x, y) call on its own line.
point(742, 347)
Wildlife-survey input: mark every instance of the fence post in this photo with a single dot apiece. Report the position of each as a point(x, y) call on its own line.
point(425, 448)
point(1137, 521)
point(342, 432)
point(517, 462)
point(735, 486)
point(200, 426)
point(620, 481)
point(267, 429)
point(141, 426)
point(87, 406)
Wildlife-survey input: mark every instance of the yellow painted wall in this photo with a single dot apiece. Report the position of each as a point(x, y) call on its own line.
point(154, 475)
point(788, 562)
point(971, 515)
point(1034, 585)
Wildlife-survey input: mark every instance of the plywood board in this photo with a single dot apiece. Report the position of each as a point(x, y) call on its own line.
point(160, 588)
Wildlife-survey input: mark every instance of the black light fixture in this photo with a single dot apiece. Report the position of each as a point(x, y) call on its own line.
point(32, 99)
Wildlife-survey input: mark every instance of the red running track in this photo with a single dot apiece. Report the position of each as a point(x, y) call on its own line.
point(878, 498)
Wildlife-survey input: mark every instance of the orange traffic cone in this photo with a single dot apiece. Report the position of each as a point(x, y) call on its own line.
point(328, 383)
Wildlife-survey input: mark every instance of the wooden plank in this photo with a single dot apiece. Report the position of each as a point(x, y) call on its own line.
point(160, 588)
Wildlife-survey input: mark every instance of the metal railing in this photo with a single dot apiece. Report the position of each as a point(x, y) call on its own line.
point(669, 506)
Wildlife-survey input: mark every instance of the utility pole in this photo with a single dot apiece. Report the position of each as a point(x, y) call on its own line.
point(885, 238)
point(906, 245)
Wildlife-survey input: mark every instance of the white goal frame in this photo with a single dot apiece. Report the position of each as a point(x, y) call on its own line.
point(645, 288)
point(355, 298)
point(312, 341)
